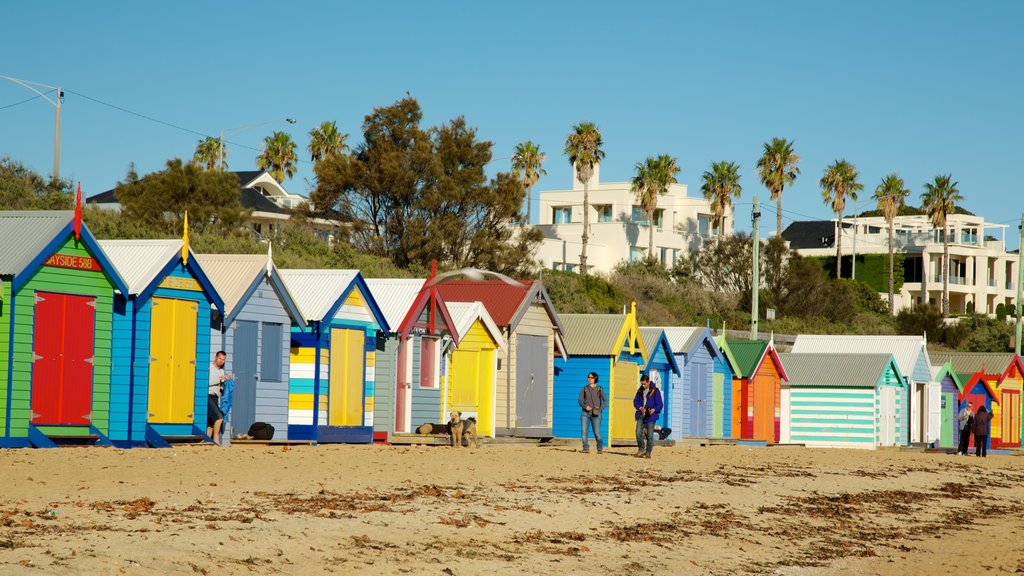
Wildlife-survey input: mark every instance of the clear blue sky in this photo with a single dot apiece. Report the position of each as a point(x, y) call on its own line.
point(920, 88)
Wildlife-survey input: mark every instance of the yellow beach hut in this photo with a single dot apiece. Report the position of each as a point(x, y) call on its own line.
point(472, 374)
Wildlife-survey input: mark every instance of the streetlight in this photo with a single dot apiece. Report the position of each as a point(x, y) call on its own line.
point(220, 161)
point(56, 102)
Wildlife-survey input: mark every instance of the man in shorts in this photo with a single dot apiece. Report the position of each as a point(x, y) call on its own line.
point(214, 417)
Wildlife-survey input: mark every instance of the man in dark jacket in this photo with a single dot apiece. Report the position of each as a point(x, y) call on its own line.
point(966, 420)
point(592, 400)
point(648, 404)
point(981, 428)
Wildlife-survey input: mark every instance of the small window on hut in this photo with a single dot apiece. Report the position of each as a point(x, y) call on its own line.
point(429, 356)
point(271, 352)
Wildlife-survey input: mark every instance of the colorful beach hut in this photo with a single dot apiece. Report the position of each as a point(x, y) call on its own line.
point(161, 339)
point(333, 356)
point(534, 333)
point(55, 338)
point(470, 385)
point(951, 387)
point(693, 393)
point(411, 360)
point(922, 422)
point(1001, 375)
point(841, 400)
point(756, 389)
point(721, 391)
point(612, 346)
point(663, 369)
point(255, 332)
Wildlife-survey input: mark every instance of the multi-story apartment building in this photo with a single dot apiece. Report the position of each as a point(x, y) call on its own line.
point(982, 273)
point(619, 228)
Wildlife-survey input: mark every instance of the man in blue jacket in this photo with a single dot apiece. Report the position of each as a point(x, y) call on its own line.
point(648, 404)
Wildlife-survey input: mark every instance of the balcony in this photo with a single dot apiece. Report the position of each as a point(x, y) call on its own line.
point(1010, 285)
point(953, 280)
point(992, 283)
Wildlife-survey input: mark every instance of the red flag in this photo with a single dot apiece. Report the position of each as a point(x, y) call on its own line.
point(78, 213)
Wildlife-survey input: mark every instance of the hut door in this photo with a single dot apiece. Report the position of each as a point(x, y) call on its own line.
point(764, 408)
point(172, 361)
point(1009, 421)
point(62, 370)
point(699, 404)
point(345, 402)
point(949, 421)
point(625, 381)
point(531, 381)
point(887, 417)
point(243, 366)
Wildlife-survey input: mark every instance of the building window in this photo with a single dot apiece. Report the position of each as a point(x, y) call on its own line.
point(604, 212)
point(659, 219)
point(569, 267)
point(969, 236)
point(271, 352)
point(636, 254)
point(638, 217)
point(561, 215)
point(704, 228)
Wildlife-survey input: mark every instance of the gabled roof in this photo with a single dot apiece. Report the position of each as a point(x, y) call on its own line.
point(971, 378)
point(686, 339)
point(144, 263)
point(827, 370)
point(506, 303)
point(904, 349)
point(993, 363)
point(236, 277)
point(253, 199)
point(810, 234)
point(750, 354)
point(602, 334)
point(655, 338)
point(946, 369)
point(319, 294)
point(28, 237)
point(464, 314)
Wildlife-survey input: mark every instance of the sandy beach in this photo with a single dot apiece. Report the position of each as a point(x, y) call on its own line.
point(507, 510)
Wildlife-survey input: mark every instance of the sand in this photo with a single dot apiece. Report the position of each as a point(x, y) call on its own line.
point(507, 510)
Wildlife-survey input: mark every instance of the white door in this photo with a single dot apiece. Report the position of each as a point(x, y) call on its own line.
point(934, 412)
point(887, 417)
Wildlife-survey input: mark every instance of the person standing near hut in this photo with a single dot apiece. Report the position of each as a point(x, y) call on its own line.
point(648, 404)
point(981, 428)
point(966, 420)
point(214, 416)
point(592, 400)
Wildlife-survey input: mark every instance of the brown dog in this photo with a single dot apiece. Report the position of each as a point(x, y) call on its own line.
point(460, 428)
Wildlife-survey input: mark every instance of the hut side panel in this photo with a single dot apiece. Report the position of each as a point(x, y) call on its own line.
point(535, 322)
point(384, 388)
point(426, 401)
point(570, 378)
point(302, 376)
point(5, 350)
point(833, 417)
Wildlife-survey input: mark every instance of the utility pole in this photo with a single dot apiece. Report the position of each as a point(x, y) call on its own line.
point(1020, 282)
point(755, 215)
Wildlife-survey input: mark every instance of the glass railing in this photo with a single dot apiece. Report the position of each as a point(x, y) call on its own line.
point(956, 280)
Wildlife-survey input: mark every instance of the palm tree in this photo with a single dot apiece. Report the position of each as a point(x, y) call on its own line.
point(721, 183)
point(583, 147)
point(939, 201)
point(526, 160)
point(653, 177)
point(838, 184)
point(778, 168)
point(208, 153)
point(278, 156)
point(891, 195)
point(325, 140)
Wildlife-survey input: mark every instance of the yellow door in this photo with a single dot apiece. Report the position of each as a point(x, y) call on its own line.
point(345, 398)
point(625, 381)
point(464, 384)
point(172, 361)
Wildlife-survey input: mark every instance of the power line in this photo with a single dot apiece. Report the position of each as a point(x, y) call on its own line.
point(25, 100)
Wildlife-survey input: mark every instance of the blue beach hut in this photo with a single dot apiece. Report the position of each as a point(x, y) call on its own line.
point(693, 391)
point(663, 368)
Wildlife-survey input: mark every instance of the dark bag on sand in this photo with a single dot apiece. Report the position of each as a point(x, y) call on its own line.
point(261, 431)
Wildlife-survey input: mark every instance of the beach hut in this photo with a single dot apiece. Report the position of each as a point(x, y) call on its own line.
point(55, 338)
point(333, 356)
point(721, 391)
point(411, 360)
point(1001, 375)
point(161, 339)
point(950, 387)
point(922, 422)
point(534, 333)
point(470, 385)
point(612, 346)
point(841, 400)
point(757, 389)
point(663, 368)
point(254, 330)
point(693, 394)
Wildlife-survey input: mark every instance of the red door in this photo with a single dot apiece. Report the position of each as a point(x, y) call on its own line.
point(401, 386)
point(65, 327)
point(977, 400)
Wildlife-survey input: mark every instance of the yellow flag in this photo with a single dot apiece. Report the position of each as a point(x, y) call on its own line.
point(184, 239)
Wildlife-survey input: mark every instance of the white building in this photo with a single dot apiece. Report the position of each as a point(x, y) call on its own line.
point(982, 274)
point(619, 229)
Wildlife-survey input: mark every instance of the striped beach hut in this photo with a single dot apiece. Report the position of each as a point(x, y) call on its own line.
point(534, 333)
point(409, 367)
point(663, 368)
point(58, 290)
point(721, 391)
point(841, 400)
point(161, 361)
point(333, 356)
point(255, 332)
point(950, 387)
point(921, 423)
point(756, 389)
point(470, 385)
point(1001, 374)
point(693, 394)
point(612, 346)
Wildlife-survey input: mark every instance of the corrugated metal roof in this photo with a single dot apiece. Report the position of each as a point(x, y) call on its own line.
point(395, 296)
point(501, 298)
point(748, 354)
point(25, 233)
point(232, 274)
point(139, 261)
point(828, 370)
point(682, 339)
point(971, 362)
point(904, 349)
point(464, 314)
point(315, 291)
point(592, 334)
